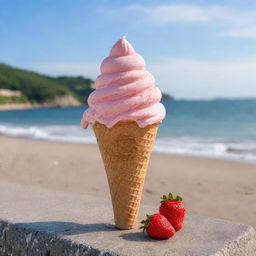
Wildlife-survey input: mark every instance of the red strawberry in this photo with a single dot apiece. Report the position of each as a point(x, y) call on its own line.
point(174, 210)
point(157, 226)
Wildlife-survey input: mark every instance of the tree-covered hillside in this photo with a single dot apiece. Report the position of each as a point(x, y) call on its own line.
point(37, 88)
point(80, 86)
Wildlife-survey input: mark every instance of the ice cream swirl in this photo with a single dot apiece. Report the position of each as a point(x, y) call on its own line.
point(125, 91)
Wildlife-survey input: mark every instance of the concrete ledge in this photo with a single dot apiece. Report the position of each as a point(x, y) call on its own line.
point(35, 221)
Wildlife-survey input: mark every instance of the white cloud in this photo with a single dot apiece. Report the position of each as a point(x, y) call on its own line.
point(62, 68)
point(184, 78)
point(249, 32)
point(205, 79)
point(222, 16)
point(170, 13)
point(164, 14)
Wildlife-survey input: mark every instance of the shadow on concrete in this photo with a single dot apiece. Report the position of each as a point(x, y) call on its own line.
point(138, 237)
point(59, 228)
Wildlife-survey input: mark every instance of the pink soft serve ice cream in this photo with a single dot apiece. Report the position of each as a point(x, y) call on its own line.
point(125, 91)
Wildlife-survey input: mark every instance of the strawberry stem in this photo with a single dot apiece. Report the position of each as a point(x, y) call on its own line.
point(170, 197)
point(145, 223)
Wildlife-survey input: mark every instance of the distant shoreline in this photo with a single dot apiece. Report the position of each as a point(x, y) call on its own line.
point(18, 106)
point(6, 107)
point(21, 106)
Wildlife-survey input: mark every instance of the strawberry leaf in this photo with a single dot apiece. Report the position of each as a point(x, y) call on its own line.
point(145, 223)
point(170, 197)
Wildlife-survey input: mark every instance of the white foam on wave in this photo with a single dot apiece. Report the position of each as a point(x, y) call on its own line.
point(240, 150)
point(71, 133)
point(208, 147)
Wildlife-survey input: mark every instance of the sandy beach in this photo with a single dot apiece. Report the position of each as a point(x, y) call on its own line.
point(210, 187)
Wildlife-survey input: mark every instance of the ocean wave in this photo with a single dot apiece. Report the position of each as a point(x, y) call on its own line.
point(61, 133)
point(240, 150)
point(223, 148)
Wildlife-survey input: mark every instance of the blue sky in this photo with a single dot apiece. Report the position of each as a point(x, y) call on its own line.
point(195, 49)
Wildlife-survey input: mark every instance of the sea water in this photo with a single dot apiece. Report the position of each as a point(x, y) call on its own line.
point(223, 129)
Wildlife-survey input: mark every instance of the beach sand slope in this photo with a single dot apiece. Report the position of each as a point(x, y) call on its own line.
point(216, 188)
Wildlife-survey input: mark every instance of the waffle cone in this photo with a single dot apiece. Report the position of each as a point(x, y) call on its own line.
point(125, 149)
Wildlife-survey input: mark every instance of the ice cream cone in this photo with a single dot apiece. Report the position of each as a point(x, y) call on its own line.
point(124, 91)
point(125, 149)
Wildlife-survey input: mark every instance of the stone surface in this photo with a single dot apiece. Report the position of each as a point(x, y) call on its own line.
point(34, 221)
